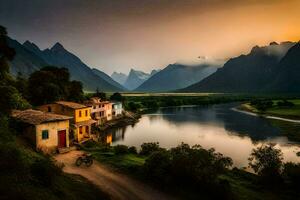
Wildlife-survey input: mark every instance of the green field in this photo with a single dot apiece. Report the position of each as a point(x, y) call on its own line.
point(285, 112)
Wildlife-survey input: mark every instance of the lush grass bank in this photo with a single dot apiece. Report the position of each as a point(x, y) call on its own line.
point(226, 184)
point(291, 112)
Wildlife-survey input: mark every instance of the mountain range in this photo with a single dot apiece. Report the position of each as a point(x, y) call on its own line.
point(176, 76)
point(29, 58)
point(119, 77)
point(272, 68)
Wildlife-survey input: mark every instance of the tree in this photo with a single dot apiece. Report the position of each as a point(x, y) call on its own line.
point(6, 54)
point(116, 97)
point(266, 161)
point(75, 92)
point(100, 94)
point(51, 84)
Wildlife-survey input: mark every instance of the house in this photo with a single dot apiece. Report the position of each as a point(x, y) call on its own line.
point(81, 124)
point(117, 108)
point(101, 110)
point(46, 131)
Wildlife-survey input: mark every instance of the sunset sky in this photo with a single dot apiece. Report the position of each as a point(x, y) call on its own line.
point(116, 35)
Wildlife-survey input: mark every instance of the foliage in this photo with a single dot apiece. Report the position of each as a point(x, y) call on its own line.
point(116, 97)
point(131, 106)
point(101, 95)
point(51, 84)
point(75, 91)
point(11, 99)
point(292, 173)
point(285, 103)
point(6, 54)
point(266, 161)
point(192, 168)
point(120, 149)
point(148, 148)
point(132, 150)
point(261, 104)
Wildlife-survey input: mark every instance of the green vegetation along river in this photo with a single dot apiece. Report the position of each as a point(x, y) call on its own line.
point(232, 133)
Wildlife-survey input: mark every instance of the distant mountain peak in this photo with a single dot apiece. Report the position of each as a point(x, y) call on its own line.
point(31, 45)
point(57, 47)
point(273, 43)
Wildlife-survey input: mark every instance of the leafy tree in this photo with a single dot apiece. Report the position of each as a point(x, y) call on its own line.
point(266, 161)
point(51, 84)
point(6, 54)
point(75, 92)
point(148, 148)
point(116, 97)
point(101, 95)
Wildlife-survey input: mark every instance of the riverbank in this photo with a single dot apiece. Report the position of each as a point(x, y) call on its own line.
point(284, 113)
point(290, 125)
point(128, 118)
point(239, 184)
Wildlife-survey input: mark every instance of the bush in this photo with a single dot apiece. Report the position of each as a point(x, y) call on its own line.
point(157, 166)
point(266, 161)
point(285, 103)
point(44, 171)
point(132, 150)
point(148, 148)
point(292, 173)
point(120, 149)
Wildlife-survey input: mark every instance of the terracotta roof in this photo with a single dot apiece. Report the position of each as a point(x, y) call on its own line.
point(71, 104)
point(85, 123)
point(92, 102)
point(36, 117)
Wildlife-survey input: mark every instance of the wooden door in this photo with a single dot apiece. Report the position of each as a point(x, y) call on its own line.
point(62, 140)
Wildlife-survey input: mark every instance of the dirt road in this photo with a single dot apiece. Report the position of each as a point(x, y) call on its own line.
point(118, 186)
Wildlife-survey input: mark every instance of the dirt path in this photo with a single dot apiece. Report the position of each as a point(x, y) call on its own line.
point(118, 186)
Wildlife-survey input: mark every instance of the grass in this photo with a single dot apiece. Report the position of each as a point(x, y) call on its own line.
point(128, 163)
point(285, 112)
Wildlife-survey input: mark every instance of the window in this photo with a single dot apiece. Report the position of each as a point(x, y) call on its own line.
point(86, 113)
point(80, 113)
point(45, 134)
point(87, 129)
point(94, 107)
point(49, 109)
point(80, 130)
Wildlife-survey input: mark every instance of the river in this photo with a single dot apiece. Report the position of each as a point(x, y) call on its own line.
point(231, 133)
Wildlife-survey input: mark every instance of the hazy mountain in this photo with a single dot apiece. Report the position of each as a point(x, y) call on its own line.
point(107, 78)
point(246, 73)
point(25, 61)
point(60, 57)
point(176, 76)
point(286, 76)
point(135, 79)
point(119, 77)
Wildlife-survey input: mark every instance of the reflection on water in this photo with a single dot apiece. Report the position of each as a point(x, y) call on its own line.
point(232, 133)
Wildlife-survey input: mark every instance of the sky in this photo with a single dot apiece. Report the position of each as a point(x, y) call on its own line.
point(116, 35)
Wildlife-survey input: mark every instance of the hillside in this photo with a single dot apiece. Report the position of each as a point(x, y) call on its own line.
point(107, 78)
point(30, 58)
point(246, 73)
point(25, 61)
point(119, 77)
point(287, 73)
point(176, 76)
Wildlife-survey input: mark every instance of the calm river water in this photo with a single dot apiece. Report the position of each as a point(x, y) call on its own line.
point(231, 133)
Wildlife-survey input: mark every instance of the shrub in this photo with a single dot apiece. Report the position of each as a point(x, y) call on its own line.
point(44, 171)
point(120, 149)
point(132, 150)
point(157, 166)
point(148, 148)
point(292, 173)
point(266, 161)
